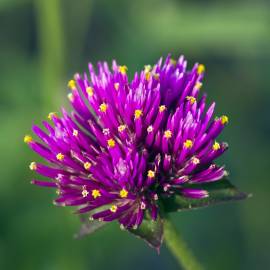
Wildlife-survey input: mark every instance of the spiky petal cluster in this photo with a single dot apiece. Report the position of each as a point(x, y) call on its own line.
point(127, 144)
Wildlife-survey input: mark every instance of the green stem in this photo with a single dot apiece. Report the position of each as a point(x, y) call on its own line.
point(179, 248)
point(51, 49)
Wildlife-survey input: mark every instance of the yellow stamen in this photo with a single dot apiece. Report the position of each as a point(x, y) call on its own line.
point(188, 144)
point(85, 193)
point(121, 128)
point(27, 139)
point(122, 69)
point(147, 72)
point(216, 146)
point(167, 134)
point(113, 208)
point(224, 119)
point(162, 108)
point(70, 97)
point(72, 84)
point(137, 114)
point(96, 193)
point(172, 61)
point(201, 69)
point(151, 174)
point(103, 107)
point(198, 85)
point(60, 156)
point(147, 68)
point(75, 132)
point(123, 193)
point(33, 166)
point(90, 91)
point(116, 86)
point(147, 75)
point(156, 76)
point(111, 143)
point(150, 129)
point(87, 165)
point(191, 99)
point(51, 115)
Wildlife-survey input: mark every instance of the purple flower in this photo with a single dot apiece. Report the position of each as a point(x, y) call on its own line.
point(127, 145)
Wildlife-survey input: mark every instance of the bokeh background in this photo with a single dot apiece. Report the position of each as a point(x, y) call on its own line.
point(44, 42)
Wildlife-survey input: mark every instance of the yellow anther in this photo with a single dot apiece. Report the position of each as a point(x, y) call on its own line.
point(147, 68)
point(72, 84)
point(87, 165)
point(113, 208)
point(103, 107)
point(167, 134)
point(51, 115)
point(191, 99)
point(151, 174)
point(198, 85)
point(188, 144)
point(122, 69)
point(123, 193)
point(147, 72)
point(138, 114)
point(60, 156)
point(150, 129)
point(85, 193)
point(121, 128)
point(162, 108)
point(201, 69)
point(111, 143)
point(172, 61)
point(75, 132)
point(90, 91)
point(27, 139)
point(224, 119)
point(96, 193)
point(116, 86)
point(216, 146)
point(195, 160)
point(156, 76)
point(33, 166)
point(147, 75)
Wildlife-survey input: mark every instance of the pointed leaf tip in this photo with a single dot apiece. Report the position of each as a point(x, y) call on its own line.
point(219, 192)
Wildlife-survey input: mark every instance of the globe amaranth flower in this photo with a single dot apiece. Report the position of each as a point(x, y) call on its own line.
point(127, 144)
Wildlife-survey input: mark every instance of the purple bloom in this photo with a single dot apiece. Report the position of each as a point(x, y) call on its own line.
point(127, 144)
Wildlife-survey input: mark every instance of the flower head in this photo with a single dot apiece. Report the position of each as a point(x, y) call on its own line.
point(141, 140)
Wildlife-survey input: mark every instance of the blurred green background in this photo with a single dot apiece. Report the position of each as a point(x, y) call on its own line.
point(44, 42)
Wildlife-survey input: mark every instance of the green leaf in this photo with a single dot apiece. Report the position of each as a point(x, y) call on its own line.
point(150, 231)
point(88, 227)
point(219, 191)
